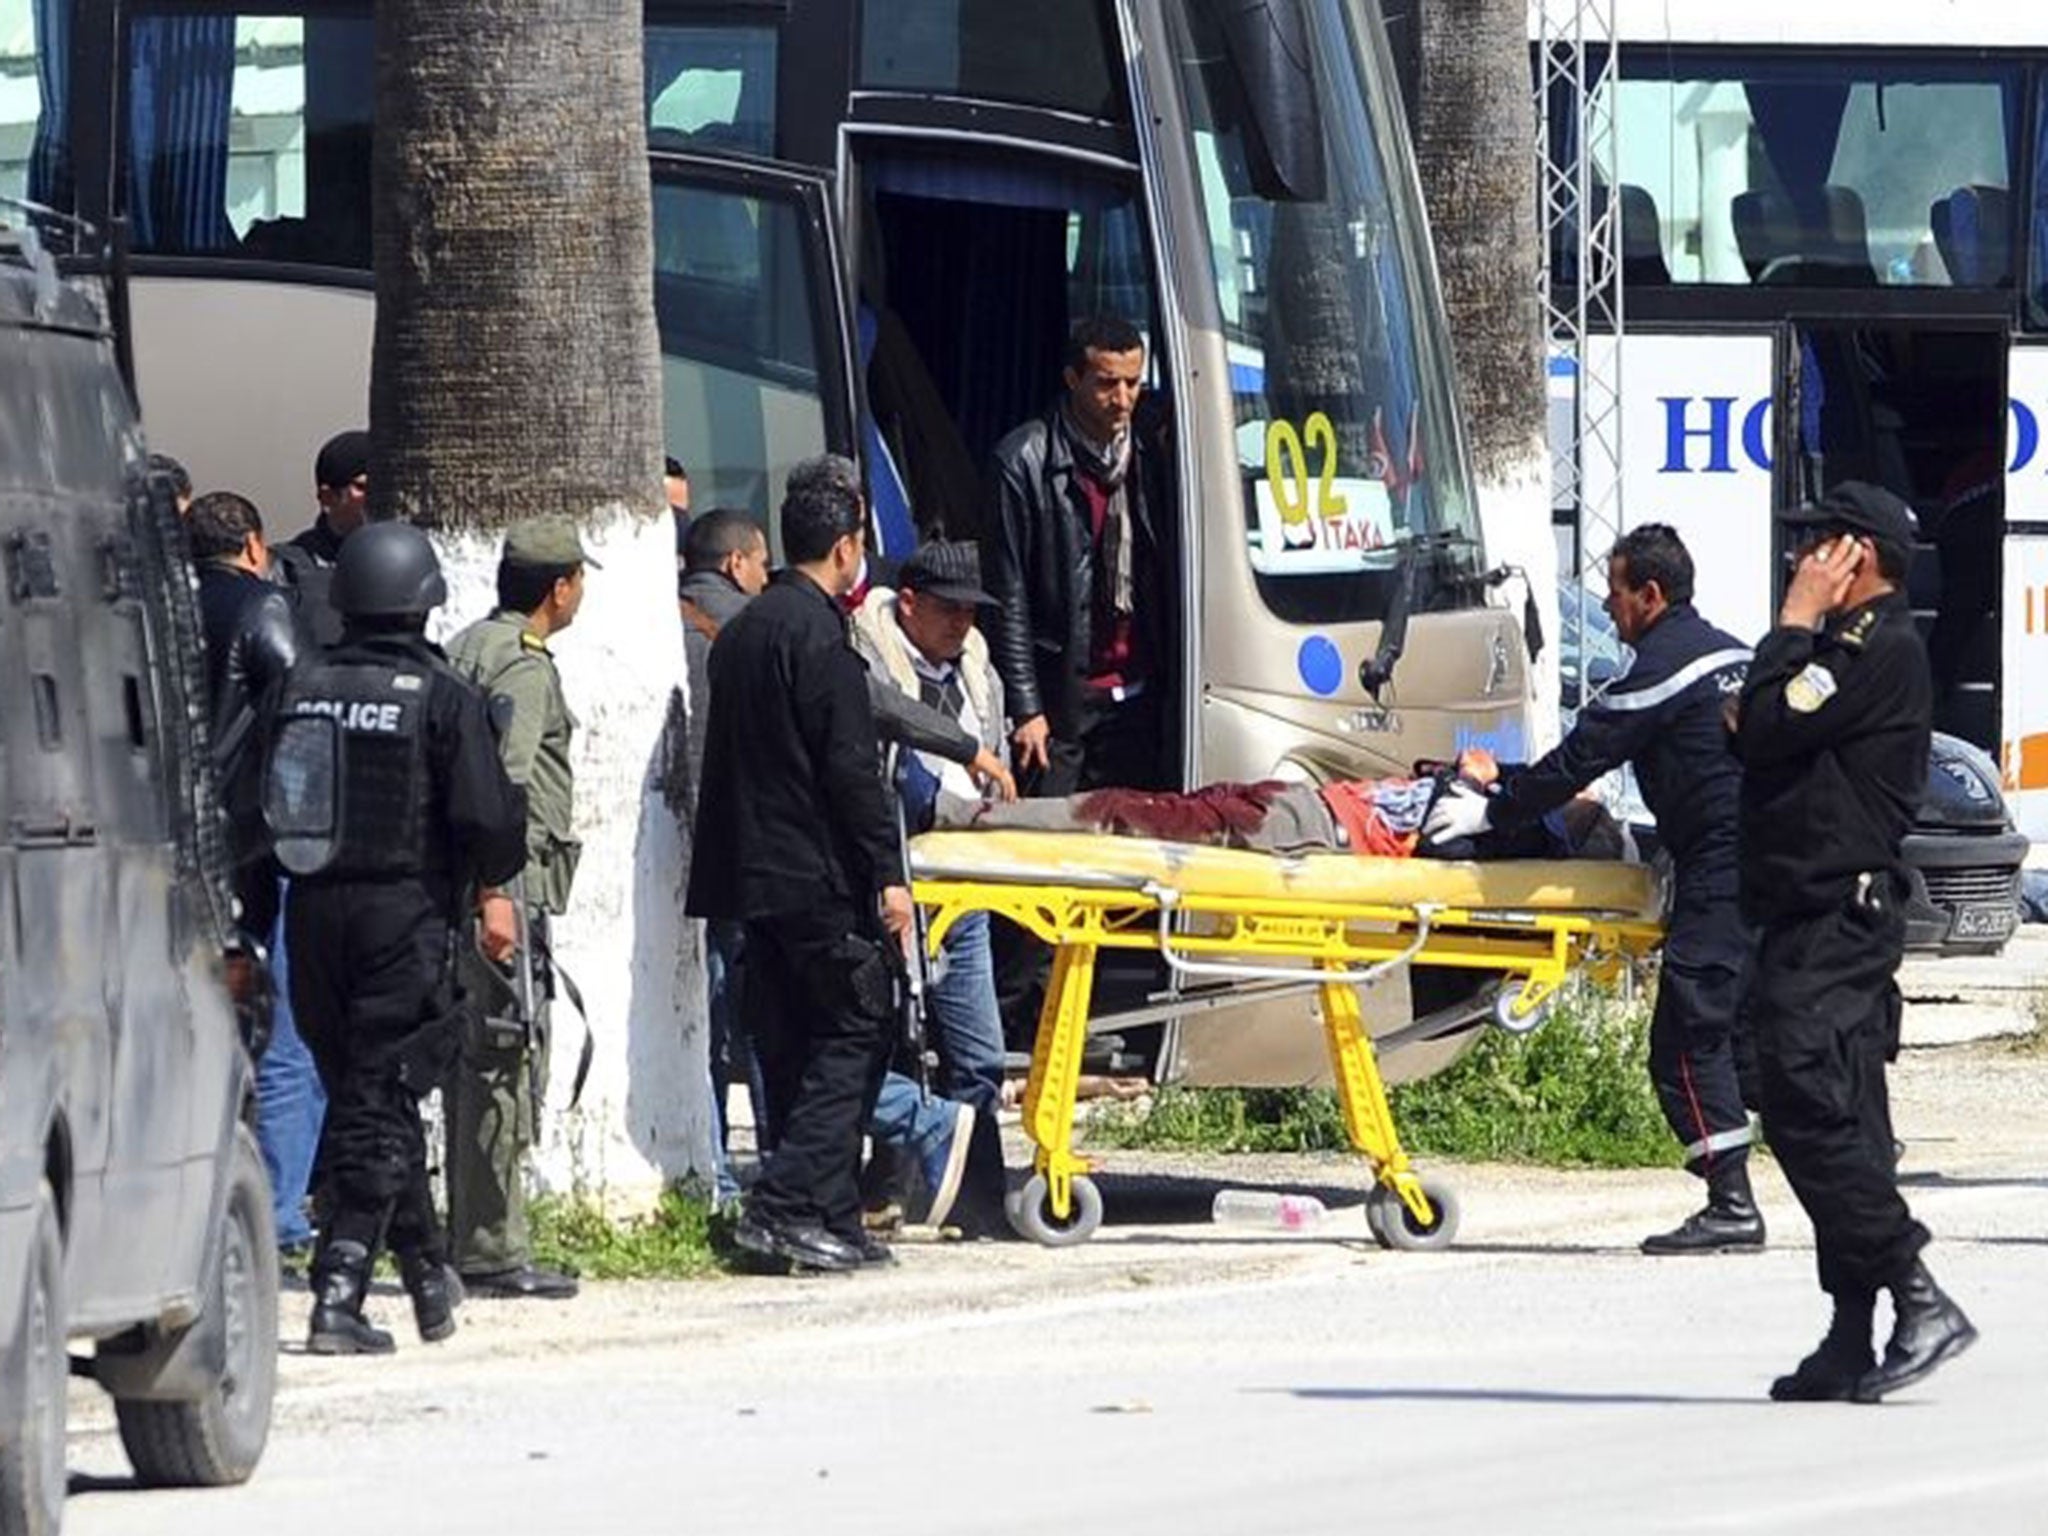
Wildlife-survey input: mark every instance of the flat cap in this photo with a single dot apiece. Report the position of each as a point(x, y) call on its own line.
point(950, 572)
point(1861, 507)
point(546, 541)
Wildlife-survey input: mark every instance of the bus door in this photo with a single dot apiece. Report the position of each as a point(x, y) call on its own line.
point(1918, 407)
point(756, 345)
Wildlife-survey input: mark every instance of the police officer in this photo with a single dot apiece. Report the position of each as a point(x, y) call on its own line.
point(1833, 734)
point(1664, 717)
point(795, 838)
point(425, 810)
point(493, 1089)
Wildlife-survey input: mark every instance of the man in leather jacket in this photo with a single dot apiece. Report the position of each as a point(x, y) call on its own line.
point(1073, 550)
point(252, 644)
point(341, 481)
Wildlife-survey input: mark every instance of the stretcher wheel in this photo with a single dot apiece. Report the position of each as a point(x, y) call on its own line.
point(1505, 1016)
point(1030, 1213)
point(1394, 1225)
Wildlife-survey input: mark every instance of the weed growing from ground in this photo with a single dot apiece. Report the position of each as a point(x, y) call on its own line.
point(1575, 1093)
point(682, 1238)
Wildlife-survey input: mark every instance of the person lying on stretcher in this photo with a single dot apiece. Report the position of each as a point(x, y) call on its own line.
point(1378, 818)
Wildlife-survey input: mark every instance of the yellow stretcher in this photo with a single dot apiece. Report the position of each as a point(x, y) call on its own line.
point(1217, 914)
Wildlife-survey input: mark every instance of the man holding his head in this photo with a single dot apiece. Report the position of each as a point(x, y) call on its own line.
point(1833, 730)
point(1664, 717)
point(795, 838)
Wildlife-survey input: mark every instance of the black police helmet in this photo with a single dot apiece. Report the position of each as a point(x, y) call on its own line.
point(388, 571)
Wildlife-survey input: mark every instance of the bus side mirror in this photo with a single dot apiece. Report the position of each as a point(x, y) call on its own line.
point(1268, 46)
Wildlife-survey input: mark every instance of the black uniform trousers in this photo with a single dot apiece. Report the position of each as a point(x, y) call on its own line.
point(817, 1003)
point(1695, 1030)
point(1825, 1008)
point(369, 972)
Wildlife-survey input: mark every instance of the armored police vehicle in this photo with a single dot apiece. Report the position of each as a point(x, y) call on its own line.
point(135, 1216)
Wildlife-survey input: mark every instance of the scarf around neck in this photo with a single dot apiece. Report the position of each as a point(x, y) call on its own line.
point(1109, 466)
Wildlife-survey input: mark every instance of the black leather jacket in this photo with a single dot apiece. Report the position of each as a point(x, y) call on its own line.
point(1038, 562)
point(252, 643)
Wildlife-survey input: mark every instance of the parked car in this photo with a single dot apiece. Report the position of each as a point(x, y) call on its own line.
point(1963, 854)
point(135, 1216)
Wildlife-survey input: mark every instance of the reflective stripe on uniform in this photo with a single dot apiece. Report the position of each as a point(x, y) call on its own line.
point(1677, 682)
point(1720, 1141)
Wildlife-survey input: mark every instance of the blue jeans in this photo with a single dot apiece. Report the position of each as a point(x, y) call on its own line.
point(731, 1052)
point(967, 1031)
point(966, 1024)
point(290, 1105)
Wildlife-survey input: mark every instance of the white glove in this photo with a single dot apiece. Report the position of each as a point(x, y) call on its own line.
point(1460, 812)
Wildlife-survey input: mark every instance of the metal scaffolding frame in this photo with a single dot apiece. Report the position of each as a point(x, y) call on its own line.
point(1579, 273)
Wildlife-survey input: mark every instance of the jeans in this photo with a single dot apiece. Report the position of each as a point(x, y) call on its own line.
point(290, 1106)
point(967, 1032)
point(725, 953)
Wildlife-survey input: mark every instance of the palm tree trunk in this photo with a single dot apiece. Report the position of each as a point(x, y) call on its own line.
point(1475, 146)
point(517, 371)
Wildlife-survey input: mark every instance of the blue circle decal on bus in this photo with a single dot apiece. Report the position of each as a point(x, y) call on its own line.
point(1322, 667)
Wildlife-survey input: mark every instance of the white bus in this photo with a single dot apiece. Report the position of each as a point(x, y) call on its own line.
point(1834, 265)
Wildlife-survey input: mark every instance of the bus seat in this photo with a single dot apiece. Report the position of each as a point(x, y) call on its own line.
point(1642, 240)
point(1817, 239)
point(1972, 229)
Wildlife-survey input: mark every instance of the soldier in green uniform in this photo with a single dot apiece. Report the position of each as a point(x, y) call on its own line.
point(493, 1092)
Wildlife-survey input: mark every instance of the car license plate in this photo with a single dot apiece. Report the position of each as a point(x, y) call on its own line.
point(1984, 923)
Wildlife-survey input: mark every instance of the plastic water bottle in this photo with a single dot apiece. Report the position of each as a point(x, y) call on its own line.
point(1266, 1209)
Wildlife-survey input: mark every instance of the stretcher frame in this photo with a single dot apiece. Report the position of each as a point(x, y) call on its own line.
point(1338, 945)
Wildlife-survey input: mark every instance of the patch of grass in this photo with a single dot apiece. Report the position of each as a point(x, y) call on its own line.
point(682, 1238)
point(1575, 1093)
point(2035, 1041)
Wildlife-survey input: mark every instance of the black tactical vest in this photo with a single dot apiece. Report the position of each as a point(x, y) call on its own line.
point(349, 794)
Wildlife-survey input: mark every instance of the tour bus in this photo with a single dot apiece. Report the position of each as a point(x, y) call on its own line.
point(874, 224)
point(1833, 252)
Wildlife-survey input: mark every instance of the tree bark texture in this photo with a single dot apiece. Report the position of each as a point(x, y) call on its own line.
point(516, 372)
point(1475, 149)
point(517, 369)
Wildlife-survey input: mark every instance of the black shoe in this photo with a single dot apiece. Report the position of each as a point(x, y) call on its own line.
point(804, 1244)
point(1831, 1372)
point(1930, 1330)
point(1712, 1229)
point(874, 1253)
point(341, 1278)
point(436, 1292)
point(528, 1282)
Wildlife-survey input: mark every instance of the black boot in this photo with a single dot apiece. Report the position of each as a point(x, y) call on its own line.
point(1929, 1330)
point(435, 1293)
point(1728, 1223)
point(1830, 1373)
point(341, 1278)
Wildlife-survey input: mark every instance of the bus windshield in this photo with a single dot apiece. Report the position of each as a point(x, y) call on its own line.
point(1345, 427)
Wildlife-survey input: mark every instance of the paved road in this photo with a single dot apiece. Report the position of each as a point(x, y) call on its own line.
point(1542, 1378)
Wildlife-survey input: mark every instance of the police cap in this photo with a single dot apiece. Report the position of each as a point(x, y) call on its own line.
point(1859, 507)
point(388, 571)
point(546, 542)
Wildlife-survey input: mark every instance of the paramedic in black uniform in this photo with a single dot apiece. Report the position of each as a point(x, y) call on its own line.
point(427, 813)
point(1664, 717)
point(1832, 730)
